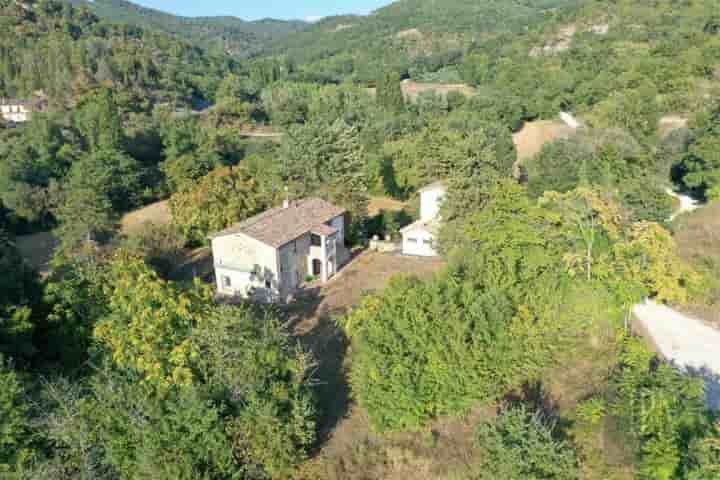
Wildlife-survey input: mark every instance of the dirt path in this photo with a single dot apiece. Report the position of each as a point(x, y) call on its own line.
point(687, 204)
point(686, 342)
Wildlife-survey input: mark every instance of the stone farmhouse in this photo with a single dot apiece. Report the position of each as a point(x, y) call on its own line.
point(269, 256)
point(418, 239)
point(18, 111)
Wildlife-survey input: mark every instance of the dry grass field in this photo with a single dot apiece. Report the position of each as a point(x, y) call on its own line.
point(697, 235)
point(384, 203)
point(38, 249)
point(534, 135)
point(412, 90)
point(157, 213)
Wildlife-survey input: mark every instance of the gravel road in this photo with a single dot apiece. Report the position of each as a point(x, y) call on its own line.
point(686, 342)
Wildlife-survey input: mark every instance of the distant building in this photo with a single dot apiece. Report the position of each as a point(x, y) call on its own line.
point(18, 111)
point(269, 256)
point(419, 238)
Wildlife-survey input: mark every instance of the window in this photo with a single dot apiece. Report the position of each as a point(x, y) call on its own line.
point(226, 282)
point(295, 246)
point(427, 242)
point(268, 284)
point(412, 240)
point(315, 240)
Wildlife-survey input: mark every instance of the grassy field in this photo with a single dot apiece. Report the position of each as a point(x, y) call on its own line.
point(349, 449)
point(698, 238)
point(412, 90)
point(38, 249)
point(534, 135)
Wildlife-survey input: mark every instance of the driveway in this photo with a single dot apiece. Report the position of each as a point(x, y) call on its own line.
point(686, 342)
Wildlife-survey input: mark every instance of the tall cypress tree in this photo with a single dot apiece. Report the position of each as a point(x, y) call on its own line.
point(389, 92)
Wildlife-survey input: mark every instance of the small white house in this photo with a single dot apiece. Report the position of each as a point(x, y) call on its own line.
point(269, 256)
point(419, 238)
point(17, 111)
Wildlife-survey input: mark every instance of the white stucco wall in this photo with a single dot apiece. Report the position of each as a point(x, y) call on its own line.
point(249, 265)
point(15, 113)
point(293, 264)
point(423, 245)
point(430, 202)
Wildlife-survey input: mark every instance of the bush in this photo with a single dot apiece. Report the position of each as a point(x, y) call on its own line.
point(521, 445)
point(421, 350)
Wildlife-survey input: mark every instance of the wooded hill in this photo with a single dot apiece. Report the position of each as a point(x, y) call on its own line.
point(413, 36)
point(226, 35)
point(65, 51)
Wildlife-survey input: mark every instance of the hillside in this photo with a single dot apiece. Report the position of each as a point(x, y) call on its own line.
point(63, 52)
point(229, 35)
point(412, 36)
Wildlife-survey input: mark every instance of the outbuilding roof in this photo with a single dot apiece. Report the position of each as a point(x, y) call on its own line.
point(280, 225)
point(439, 185)
point(427, 226)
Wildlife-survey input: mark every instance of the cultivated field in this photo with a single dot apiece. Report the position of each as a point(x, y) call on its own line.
point(412, 90)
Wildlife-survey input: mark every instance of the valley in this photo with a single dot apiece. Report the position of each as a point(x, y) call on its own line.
point(540, 179)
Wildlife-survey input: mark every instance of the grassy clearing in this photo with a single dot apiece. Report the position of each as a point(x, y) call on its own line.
point(446, 449)
point(384, 203)
point(157, 213)
point(698, 238)
point(535, 135)
point(412, 90)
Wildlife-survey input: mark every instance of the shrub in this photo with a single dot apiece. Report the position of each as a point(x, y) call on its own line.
point(428, 349)
point(521, 445)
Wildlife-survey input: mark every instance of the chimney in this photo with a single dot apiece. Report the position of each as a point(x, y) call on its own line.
point(286, 202)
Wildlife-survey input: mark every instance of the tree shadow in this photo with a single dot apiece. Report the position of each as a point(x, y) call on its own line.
point(535, 398)
point(712, 385)
point(316, 330)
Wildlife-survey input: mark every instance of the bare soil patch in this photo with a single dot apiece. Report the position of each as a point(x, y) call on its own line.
point(534, 135)
point(670, 123)
point(261, 131)
point(410, 34)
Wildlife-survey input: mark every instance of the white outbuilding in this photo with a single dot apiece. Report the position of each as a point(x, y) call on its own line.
point(419, 238)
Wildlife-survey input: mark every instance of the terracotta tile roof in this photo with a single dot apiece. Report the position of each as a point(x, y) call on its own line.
point(278, 226)
point(323, 230)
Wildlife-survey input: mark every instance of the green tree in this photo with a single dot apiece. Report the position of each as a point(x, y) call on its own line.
point(521, 445)
point(422, 350)
point(389, 92)
point(699, 168)
point(19, 294)
point(223, 197)
point(149, 323)
point(99, 122)
point(84, 215)
point(15, 433)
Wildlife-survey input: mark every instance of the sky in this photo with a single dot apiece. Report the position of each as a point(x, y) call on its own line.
point(310, 10)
